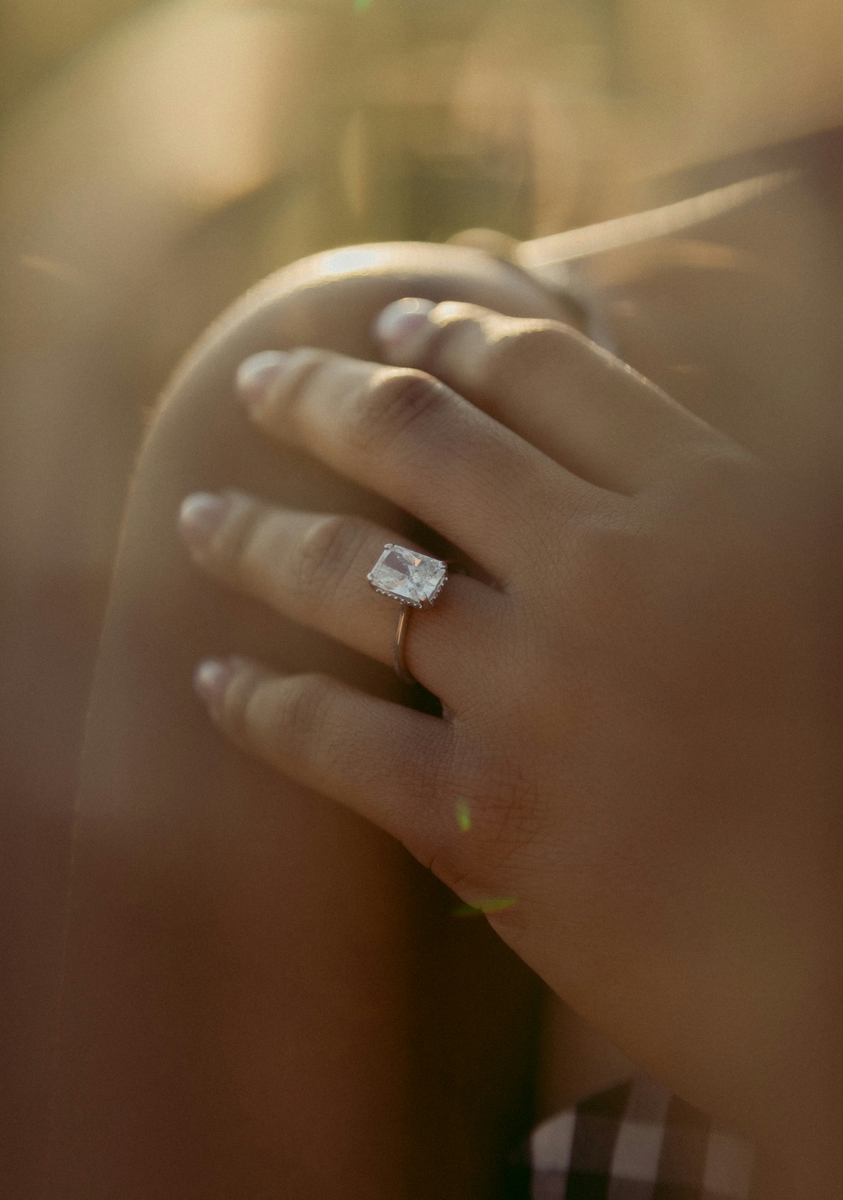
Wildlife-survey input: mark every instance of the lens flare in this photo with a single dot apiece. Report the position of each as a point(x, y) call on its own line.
point(493, 905)
point(463, 814)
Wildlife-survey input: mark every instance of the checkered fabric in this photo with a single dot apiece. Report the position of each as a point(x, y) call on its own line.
point(637, 1142)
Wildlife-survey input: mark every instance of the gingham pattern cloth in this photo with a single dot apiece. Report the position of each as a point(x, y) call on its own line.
point(637, 1142)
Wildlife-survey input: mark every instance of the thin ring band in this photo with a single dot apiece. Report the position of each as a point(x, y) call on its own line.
point(414, 580)
point(399, 645)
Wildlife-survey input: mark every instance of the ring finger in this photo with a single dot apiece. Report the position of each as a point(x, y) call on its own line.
point(313, 568)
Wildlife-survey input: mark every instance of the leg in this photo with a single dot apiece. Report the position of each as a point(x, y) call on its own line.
point(254, 979)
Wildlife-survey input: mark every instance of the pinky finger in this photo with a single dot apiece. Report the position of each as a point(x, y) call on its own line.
point(375, 757)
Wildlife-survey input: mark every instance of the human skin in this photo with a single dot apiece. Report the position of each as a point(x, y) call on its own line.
point(262, 993)
point(637, 702)
point(119, 1100)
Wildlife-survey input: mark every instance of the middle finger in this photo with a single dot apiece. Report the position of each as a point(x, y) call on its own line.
point(418, 443)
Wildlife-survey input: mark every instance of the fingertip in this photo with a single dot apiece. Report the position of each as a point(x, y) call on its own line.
point(404, 326)
point(200, 516)
point(212, 679)
point(227, 684)
point(258, 373)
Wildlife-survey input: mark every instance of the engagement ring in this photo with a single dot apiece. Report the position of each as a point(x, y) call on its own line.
point(414, 580)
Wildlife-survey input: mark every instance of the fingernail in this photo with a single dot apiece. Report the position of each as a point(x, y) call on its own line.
point(256, 374)
point(211, 680)
point(402, 319)
point(200, 516)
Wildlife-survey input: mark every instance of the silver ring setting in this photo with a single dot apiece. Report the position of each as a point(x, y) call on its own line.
point(414, 580)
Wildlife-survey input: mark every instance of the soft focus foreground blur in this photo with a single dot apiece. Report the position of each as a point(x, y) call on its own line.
point(158, 159)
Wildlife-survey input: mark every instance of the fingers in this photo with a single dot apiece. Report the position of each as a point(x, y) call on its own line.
point(378, 758)
point(313, 568)
point(416, 442)
point(558, 391)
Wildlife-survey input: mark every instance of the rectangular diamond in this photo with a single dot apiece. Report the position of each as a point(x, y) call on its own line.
point(408, 576)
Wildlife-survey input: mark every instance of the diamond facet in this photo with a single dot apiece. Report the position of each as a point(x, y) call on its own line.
point(407, 576)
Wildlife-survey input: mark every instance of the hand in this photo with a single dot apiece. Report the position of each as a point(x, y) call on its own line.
point(635, 769)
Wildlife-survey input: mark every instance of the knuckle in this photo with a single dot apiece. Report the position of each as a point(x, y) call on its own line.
point(518, 350)
point(391, 403)
point(325, 555)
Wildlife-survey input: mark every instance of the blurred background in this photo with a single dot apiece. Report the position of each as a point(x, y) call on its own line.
point(157, 159)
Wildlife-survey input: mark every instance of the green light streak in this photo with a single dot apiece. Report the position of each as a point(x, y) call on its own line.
point(463, 814)
point(495, 904)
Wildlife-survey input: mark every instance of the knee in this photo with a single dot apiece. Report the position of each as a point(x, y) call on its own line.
point(329, 300)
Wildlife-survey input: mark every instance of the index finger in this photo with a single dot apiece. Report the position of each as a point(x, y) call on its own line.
point(584, 407)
